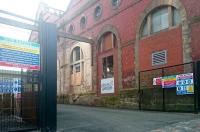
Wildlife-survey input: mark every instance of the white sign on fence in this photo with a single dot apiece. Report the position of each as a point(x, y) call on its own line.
point(107, 86)
point(185, 84)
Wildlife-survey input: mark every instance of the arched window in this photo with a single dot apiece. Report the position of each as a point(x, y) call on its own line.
point(107, 41)
point(77, 66)
point(160, 19)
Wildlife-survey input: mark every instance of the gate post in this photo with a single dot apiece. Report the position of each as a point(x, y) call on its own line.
point(48, 85)
point(197, 84)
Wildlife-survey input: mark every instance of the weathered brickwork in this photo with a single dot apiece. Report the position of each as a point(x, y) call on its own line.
point(132, 53)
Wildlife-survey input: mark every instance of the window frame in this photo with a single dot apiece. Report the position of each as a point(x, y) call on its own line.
point(101, 42)
point(74, 62)
point(148, 21)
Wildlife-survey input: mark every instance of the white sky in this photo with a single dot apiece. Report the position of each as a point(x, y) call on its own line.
point(27, 8)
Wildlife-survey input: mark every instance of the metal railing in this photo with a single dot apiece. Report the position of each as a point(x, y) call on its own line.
point(154, 97)
point(18, 100)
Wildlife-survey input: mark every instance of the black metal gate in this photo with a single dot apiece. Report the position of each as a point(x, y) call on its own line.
point(18, 110)
point(154, 97)
point(34, 107)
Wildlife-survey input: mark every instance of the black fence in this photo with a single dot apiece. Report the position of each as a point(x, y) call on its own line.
point(18, 100)
point(155, 97)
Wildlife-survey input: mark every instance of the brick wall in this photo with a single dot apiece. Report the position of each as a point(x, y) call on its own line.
point(196, 41)
point(171, 41)
point(128, 72)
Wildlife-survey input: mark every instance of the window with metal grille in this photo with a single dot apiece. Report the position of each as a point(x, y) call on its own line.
point(159, 58)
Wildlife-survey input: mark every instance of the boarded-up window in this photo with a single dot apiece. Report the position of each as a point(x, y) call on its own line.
point(76, 66)
point(107, 42)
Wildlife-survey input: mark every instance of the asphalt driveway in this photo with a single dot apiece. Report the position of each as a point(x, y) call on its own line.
point(90, 119)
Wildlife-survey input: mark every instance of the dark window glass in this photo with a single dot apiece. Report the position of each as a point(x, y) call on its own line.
point(77, 67)
point(97, 12)
point(116, 3)
point(77, 54)
point(83, 22)
point(71, 29)
point(108, 67)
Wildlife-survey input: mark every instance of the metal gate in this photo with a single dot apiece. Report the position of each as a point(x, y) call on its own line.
point(18, 109)
point(155, 97)
point(34, 107)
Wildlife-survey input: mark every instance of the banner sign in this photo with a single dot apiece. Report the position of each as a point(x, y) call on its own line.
point(169, 81)
point(18, 53)
point(107, 86)
point(10, 85)
point(185, 84)
point(157, 81)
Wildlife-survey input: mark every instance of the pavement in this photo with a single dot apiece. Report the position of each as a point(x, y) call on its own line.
point(71, 118)
point(189, 126)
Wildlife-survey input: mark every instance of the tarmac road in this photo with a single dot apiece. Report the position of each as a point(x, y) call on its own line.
point(72, 118)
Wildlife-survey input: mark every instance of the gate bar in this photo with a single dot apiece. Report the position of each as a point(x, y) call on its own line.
point(48, 64)
point(18, 24)
point(18, 16)
point(197, 84)
point(75, 37)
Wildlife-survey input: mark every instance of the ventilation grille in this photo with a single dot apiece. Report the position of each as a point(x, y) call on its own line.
point(159, 58)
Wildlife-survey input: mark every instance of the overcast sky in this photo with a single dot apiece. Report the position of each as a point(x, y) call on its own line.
point(28, 9)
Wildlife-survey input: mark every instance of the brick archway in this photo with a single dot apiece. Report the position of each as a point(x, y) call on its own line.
point(186, 38)
point(112, 29)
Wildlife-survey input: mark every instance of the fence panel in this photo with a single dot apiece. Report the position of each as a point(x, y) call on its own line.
point(18, 100)
point(154, 97)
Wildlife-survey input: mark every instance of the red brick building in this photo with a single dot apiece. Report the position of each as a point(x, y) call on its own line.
point(132, 36)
